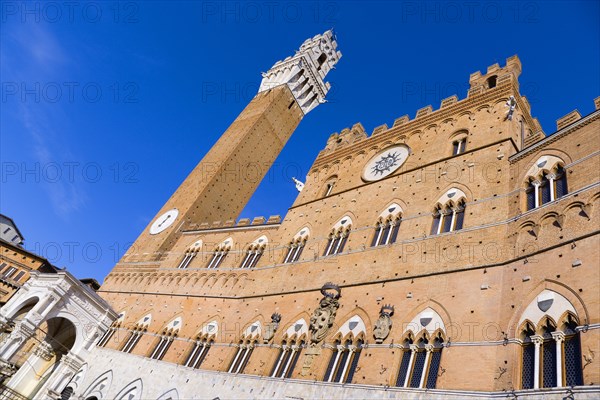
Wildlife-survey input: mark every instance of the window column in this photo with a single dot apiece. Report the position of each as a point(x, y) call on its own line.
point(241, 348)
point(351, 352)
point(292, 350)
point(338, 351)
point(536, 185)
point(559, 338)
point(279, 360)
point(411, 363)
point(380, 229)
point(551, 182)
point(538, 341)
point(289, 253)
point(429, 350)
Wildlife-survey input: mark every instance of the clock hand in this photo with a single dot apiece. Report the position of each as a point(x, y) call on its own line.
point(165, 220)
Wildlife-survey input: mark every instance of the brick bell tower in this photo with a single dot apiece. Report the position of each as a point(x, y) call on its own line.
point(217, 188)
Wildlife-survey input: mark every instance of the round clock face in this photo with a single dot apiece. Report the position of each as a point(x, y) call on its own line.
point(385, 162)
point(164, 221)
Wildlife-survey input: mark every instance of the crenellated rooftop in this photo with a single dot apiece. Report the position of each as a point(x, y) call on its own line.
point(482, 89)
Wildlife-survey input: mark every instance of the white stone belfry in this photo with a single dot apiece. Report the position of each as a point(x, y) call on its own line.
point(305, 72)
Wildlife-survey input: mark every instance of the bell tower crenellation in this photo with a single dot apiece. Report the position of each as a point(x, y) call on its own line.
point(304, 73)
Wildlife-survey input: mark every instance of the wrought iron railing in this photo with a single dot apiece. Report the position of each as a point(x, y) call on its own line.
point(7, 393)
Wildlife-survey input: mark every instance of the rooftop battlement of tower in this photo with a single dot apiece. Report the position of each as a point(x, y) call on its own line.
point(304, 72)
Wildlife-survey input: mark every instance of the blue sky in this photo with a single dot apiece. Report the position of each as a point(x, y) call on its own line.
point(107, 106)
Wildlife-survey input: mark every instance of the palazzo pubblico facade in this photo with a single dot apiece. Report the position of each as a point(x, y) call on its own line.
point(451, 255)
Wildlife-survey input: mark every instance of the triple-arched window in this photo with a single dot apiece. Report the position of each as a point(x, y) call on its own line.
point(287, 359)
point(189, 254)
point(346, 351)
point(422, 352)
point(110, 332)
point(220, 253)
point(198, 352)
point(242, 356)
point(420, 361)
point(550, 350)
point(343, 361)
point(204, 340)
point(254, 252)
point(449, 213)
point(166, 339)
point(387, 227)
point(546, 181)
point(136, 334)
point(338, 236)
point(296, 246)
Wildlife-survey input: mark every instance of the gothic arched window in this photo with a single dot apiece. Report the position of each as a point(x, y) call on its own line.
point(387, 227)
point(337, 241)
point(287, 359)
point(448, 217)
point(546, 182)
point(189, 254)
point(420, 362)
point(162, 346)
point(254, 253)
point(338, 237)
point(550, 352)
point(296, 246)
point(167, 337)
point(343, 361)
point(219, 254)
point(198, 352)
point(133, 339)
point(242, 356)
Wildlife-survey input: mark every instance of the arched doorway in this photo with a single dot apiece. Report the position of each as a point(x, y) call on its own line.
point(53, 340)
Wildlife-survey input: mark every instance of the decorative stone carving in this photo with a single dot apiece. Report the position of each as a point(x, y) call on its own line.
point(72, 361)
point(6, 370)
point(4, 324)
point(324, 315)
point(271, 327)
point(309, 356)
point(44, 351)
point(383, 324)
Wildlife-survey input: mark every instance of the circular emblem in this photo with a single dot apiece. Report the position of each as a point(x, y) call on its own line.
point(385, 162)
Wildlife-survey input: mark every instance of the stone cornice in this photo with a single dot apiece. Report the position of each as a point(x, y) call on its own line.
point(555, 136)
point(365, 283)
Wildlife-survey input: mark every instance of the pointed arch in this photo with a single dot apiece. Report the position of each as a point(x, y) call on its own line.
point(253, 331)
point(352, 328)
point(343, 223)
point(546, 161)
point(296, 330)
point(548, 304)
point(564, 291)
point(79, 377)
point(100, 386)
point(170, 395)
point(132, 391)
point(391, 210)
point(452, 195)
